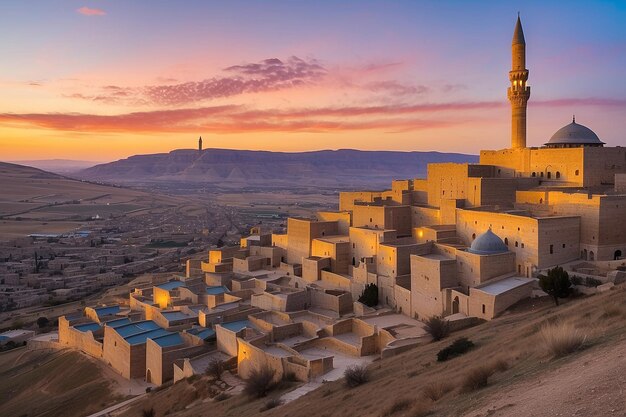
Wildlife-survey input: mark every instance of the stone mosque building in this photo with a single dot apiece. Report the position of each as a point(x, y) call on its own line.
point(470, 238)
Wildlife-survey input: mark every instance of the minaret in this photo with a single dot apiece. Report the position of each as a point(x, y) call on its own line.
point(200, 144)
point(518, 92)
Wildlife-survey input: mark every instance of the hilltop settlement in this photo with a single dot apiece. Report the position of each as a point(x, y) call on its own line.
point(465, 243)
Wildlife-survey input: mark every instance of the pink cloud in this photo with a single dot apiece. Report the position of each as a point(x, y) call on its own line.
point(87, 11)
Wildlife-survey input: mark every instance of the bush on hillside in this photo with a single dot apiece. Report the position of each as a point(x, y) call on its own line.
point(561, 339)
point(401, 404)
point(259, 382)
point(437, 389)
point(215, 369)
point(356, 375)
point(592, 282)
point(437, 327)
point(458, 347)
point(369, 297)
point(556, 283)
point(271, 403)
point(476, 378)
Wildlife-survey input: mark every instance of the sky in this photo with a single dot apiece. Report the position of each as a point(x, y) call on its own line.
point(100, 80)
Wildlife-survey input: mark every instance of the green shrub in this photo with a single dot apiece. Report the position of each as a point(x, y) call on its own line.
point(592, 282)
point(369, 297)
point(458, 347)
point(576, 280)
point(556, 283)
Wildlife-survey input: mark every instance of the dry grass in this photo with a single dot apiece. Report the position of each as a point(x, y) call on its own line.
point(500, 365)
point(477, 378)
point(401, 404)
point(561, 339)
point(613, 310)
point(420, 409)
point(436, 390)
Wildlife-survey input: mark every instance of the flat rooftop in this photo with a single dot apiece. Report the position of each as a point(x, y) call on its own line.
point(504, 285)
point(170, 285)
point(107, 310)
point(236, 326)
point(87, 327)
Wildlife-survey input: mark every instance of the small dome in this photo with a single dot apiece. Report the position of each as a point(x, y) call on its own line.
point(575, 134)
point(488, 244)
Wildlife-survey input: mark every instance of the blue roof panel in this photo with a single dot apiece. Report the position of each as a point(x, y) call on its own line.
point(107, 311)
point(136, 328)
point(171, 339)
point(216, 290)
point(117, 322)
point(235, 326)
point(171, 285)
point(141, 338)
point(88, 327)
point(175, 315)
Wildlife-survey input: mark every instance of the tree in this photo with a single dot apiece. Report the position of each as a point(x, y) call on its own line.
point(369, 297)
point(556, 283)
point(42, 322)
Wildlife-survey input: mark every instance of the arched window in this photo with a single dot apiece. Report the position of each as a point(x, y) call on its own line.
point(542, 175)
point(576, 172)
point(591, 256)
point(558, 174)
point(549, 175)
point(541, 201)
point(473, 236)
point(506, 241)
point(516, 244)
point(534, 174)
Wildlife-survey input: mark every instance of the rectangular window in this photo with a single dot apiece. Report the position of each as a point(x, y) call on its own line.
point(551, 249)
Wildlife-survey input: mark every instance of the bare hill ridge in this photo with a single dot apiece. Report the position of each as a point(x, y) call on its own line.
point(235, 167)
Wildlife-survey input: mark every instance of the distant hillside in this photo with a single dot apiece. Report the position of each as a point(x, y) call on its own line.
point(234, 167)
point(59, 166)
point(36, 201)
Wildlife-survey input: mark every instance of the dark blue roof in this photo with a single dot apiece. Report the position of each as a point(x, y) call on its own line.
point(171, 285)
point(202, 332)
point(216, 290)
point(175, 315)
point(235, 326)
point(141, 338)
point(171, 339)
point(118, 322)
point(88, 327)
point(135, 328)
point(107, 310)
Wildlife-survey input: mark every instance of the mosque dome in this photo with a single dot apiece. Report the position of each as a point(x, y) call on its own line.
point(488, 244)
point(574, 135)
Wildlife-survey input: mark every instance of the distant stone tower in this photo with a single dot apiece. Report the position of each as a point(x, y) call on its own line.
point(200, 144)
point(518, 92)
